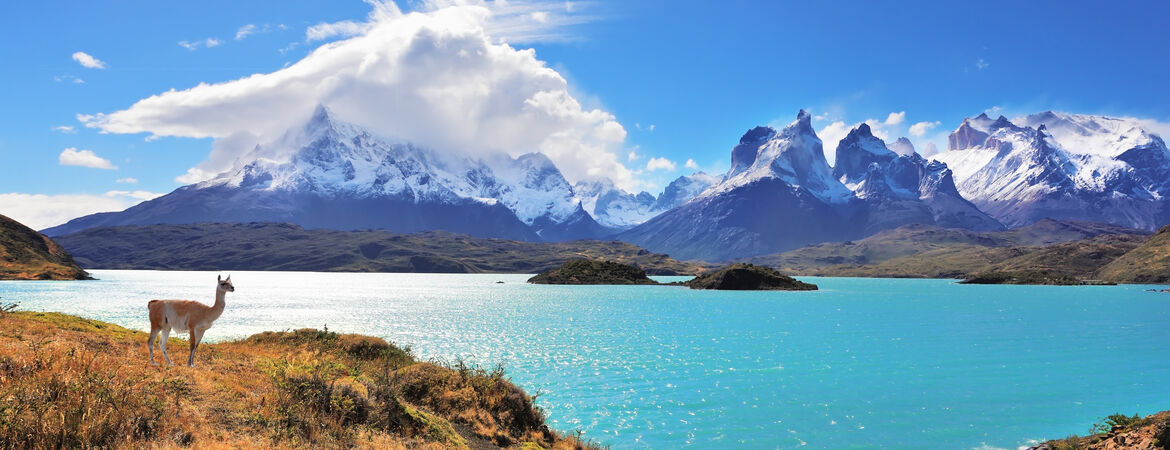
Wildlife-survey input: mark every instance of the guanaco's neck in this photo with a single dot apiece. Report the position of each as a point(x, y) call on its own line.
point(220, 295)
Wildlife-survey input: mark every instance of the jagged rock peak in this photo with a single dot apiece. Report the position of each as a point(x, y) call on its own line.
point(1002, 122)
point(757, 135)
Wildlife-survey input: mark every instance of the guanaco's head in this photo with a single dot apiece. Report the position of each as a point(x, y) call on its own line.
point(225, 284)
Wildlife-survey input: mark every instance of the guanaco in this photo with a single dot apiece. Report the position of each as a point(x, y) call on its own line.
point(185, 315)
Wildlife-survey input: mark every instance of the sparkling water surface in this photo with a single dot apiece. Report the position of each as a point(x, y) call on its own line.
point(861, 363)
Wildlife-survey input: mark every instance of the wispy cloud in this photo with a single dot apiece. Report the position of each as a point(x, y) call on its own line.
point(127, 180)
point(245, 30)
point(84, 158)
point(88, 61)
point(66, 129)
point(69, 78)
point(195, 45)
point(981, 64)
point(343, 29)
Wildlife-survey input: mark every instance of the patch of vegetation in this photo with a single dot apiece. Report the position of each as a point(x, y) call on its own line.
point(1119, 431)
point(1024, 277)
point(28, 255)
point(584, 271)
point(71, 382)
point(748, 277)
point(1147, 263)
point(1118, 421)
point(273, 246)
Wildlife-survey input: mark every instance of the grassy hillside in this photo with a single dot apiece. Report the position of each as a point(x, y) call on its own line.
point(28, 255)
point(71, 382)
point(1073, 248)
point(270, 246)
point(1148, 263)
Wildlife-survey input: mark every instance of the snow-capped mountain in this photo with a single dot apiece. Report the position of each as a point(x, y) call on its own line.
point(683, 189)
point(620, 210)
point(903, 146)
point(1062, 166)
point(781, 193)
point(614, 207)
point(902, 189)
point(331, 174)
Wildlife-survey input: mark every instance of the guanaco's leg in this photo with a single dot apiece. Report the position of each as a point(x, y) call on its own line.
point(150, 344)
point(162, 345)
point(194, 344)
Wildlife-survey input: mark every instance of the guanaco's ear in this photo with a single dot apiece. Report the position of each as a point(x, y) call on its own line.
point(229, 278)
point(217, 278)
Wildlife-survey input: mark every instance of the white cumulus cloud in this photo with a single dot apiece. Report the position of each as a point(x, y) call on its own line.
point(436, 78)
point(831, 135)
point(40, 211)
point(660, 163)
point(86, 60)
point(691, 164)
point(84, 158)
point(895, 118)
point(921, 128)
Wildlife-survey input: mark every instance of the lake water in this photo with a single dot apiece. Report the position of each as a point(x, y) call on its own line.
point(861, 363)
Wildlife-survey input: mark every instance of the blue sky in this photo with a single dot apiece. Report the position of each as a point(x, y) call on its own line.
point(683, 79)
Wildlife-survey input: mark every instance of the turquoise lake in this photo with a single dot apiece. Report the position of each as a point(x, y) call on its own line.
point(861, 363)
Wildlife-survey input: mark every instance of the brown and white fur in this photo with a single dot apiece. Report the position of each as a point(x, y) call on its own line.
point(185, 315)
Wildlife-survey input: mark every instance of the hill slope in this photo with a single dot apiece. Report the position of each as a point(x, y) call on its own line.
point(1148, 263)
point(271, 246)
point(930, 251)
point(292, 389)
point(28, 255)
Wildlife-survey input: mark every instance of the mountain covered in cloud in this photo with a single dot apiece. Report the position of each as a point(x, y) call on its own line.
point(1062, 166)
point(332, 174)
point(781, 193)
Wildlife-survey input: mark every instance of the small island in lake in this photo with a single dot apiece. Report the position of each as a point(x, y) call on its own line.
point(584, 271)
point(748, 277)
point(1041, 277)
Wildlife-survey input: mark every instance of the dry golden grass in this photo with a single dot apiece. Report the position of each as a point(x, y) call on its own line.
point(71, 382)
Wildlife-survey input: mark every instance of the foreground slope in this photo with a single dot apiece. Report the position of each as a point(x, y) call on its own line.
point(1148, 263)
point(28, 255)
point(70, 382)
point(271, 246)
